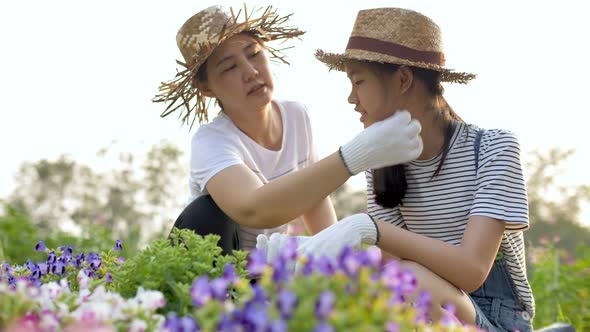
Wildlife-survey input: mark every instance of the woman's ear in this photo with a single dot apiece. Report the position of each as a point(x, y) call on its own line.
point(406, 77)
point(204, 88)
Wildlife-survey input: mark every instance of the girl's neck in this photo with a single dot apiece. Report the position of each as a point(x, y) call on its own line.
point(434, 126)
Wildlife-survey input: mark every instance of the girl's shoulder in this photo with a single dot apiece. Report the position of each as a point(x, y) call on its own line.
point(473, 133)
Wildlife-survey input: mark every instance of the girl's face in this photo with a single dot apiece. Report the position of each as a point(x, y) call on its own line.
point(238, 74)
point(375, 96)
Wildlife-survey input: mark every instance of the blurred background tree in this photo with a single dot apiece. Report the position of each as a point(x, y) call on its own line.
point(135, 198)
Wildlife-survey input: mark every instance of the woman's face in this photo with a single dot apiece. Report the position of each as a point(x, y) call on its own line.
point(238, 74)
point(375, 96)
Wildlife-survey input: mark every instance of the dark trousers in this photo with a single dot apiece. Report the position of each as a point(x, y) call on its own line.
point(204, 217)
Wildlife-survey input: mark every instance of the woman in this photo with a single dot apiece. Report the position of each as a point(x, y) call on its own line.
point(253, 168)
point(456, 215)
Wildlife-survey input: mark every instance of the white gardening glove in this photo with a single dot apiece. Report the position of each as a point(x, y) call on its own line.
point(351, 231)
point(274, 245)
point(395, 140)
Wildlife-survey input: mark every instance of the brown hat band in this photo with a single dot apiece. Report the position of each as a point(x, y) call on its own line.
point(396, 50)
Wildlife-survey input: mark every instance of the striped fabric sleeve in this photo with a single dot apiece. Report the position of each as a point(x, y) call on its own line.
point(376, 211)
point(501, 191)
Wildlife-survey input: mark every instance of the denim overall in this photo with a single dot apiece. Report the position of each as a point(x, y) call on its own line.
point(496, 302)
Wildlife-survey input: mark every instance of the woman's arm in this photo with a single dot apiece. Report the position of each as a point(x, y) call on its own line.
point(465, 266)
point(320, 216)
point(245, 199)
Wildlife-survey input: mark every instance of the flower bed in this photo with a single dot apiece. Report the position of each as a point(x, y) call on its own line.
point(187, 285)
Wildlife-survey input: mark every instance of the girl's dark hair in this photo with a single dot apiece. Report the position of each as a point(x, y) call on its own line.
point(389, 183)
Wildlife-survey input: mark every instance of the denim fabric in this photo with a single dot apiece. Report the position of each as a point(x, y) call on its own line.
point(496, 303)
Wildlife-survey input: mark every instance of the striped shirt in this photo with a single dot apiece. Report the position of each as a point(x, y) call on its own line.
point(440, 207)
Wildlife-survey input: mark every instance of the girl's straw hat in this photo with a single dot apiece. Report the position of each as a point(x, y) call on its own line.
point(197, 39)
point(395, 35)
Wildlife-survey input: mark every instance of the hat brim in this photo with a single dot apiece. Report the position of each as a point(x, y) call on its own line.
point(335, 61)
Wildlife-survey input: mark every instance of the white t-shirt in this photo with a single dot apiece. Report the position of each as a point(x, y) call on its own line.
point(220, 144)
point(440, 207)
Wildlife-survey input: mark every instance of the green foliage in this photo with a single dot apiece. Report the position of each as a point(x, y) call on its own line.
point(172, 267)
point(561, 290)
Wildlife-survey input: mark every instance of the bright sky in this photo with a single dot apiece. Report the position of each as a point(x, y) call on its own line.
point(76, 75)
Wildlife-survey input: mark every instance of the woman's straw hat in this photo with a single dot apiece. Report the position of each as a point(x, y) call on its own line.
point(197, 39)
point(395, 35)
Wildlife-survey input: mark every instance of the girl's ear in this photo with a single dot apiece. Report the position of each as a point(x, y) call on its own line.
point(406, 78)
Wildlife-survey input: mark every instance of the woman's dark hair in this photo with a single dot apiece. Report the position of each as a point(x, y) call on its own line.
point(389, 183)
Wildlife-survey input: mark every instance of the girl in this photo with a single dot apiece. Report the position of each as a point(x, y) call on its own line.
point(253, 168)
point(456, 215)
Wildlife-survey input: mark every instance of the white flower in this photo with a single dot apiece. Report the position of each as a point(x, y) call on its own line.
point(150, 300)
point(137, 325)
point(83, 280)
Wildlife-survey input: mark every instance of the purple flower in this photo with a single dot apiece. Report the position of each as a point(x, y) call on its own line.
point(58, 268)
point(118, 245)
point(229, 274)
point(108, 277)
point(218, 288)
point(183, 324)
point(200, 291)
point(408, 282)
point(372, 256)
point(95, 264)
point(51, 258)
point(44, 268)
point(7, 267)
point(259, 295)
point(67, 251)
point(308, 266)
point(391, 327)
point(449, 319)
point(79, 260)
point(278, 326)
point(422, 305)
point(40, 246)
point(324, 304)
point(287, 300)
point(289, 252)
point(256, 262)
point(280, 271)
point(349, 262)
point(325, 265)
point(323, 327)
point(227, 324)
point(89, 273)
point(254, 317)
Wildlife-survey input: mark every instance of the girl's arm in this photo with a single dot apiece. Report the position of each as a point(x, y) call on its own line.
point(465, 266)
point(320, 216)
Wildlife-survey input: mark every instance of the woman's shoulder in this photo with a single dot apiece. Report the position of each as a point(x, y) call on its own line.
point(291, 104)
point(219, 130)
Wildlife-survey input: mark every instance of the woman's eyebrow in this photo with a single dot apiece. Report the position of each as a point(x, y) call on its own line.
point(229, 57)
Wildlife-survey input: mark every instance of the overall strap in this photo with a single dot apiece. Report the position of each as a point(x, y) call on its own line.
point(476, 148)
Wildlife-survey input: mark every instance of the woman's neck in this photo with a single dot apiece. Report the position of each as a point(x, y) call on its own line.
point(263, 126)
